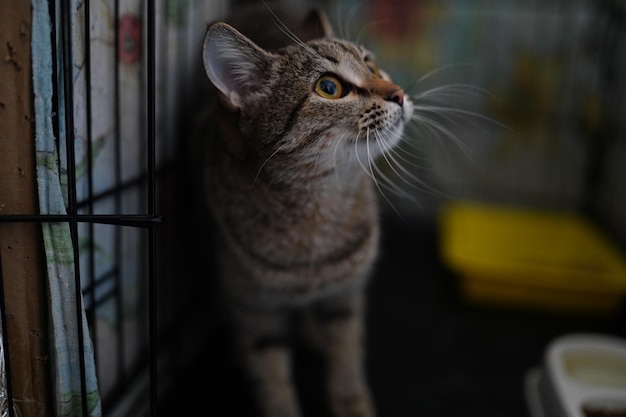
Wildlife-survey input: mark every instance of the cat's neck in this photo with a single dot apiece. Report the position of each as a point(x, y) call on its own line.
point(286, 172)
point(301, 177)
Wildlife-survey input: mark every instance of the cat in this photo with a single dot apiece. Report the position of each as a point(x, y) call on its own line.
point(286, 147)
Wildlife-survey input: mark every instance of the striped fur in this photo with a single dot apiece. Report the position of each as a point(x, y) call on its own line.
point(284, 172)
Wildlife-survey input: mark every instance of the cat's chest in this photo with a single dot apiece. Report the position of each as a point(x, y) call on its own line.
point(299, 226)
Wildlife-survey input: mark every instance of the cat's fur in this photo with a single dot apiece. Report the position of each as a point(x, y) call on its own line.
point(287, 176)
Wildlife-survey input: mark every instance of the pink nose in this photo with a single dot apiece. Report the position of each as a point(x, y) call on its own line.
point(396, 96)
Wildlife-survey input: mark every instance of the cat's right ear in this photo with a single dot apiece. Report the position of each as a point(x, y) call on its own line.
point(316, 25)
point(236, 66)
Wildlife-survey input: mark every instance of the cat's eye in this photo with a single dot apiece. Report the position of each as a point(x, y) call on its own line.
point(373, 69)
point(329, 87)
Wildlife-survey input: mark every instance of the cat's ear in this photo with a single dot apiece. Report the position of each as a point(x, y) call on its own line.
point(235, 65)
point(316, 25)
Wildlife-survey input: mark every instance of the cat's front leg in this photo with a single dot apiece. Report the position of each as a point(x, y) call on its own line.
point(263, 340)
point(336, 328)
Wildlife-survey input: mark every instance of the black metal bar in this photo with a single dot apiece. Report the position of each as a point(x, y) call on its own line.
point(109, 294)
point(126, 185)
point(131, 378)
point(55, 71)
point(121, 339)
point(133, 220)
point(152, 284)
point(90, 312)
point(68, 71)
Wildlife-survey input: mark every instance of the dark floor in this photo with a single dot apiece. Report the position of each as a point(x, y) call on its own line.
point(430, 353)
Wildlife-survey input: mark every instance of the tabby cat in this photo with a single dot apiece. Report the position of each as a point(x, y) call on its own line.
point(298, 118)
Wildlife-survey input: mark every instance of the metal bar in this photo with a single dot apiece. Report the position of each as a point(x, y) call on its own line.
point(90, 312)
point(68, 71)
point(133, 220)
point(121, 339)
point(152, 284)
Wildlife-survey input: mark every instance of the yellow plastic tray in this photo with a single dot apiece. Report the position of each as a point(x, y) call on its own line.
point(547, 260)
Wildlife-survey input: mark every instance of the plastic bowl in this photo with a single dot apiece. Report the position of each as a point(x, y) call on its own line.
point(583, 375)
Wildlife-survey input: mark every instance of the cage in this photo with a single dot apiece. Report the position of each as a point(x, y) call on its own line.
point(105, 293)
point(89, 170)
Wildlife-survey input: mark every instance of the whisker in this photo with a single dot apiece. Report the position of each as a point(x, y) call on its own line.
point(392, 163)
point(429, 122)
point(256, 177)
point(424, 129)
point(358, 158)
point(404, 154)
point(395, 154)
point(453, 90)
point(441, 69)
point(339, 144)
point(369, 169)
point(283, 27)
point(344, 28)
point(443, 110)
point(433, 72)
point(365, 28)
point(406, 176)
point(390, 185)
point(386, 182)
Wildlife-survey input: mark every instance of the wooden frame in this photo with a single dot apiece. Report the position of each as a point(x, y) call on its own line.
point(22, 260)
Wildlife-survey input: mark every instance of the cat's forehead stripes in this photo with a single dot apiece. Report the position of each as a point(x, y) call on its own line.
point(347, 59)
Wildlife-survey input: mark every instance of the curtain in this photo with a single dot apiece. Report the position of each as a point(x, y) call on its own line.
point(59, 247)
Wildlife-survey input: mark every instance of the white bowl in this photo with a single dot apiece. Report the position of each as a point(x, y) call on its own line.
point(583, 375)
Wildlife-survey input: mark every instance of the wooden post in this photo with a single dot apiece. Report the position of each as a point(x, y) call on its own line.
point(21, 248)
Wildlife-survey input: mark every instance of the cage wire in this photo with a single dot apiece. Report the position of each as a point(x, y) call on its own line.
point(81, 217)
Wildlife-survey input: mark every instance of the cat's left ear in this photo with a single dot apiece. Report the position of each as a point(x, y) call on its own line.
point(236, 66)
point(316, 25)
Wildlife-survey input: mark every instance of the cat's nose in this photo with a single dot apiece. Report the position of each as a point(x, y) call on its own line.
point(397, 96)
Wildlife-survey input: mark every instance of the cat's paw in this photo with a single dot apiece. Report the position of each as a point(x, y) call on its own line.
point(353, 406)
point(279, 402)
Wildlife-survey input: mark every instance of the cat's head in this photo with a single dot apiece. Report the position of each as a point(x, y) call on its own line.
point(322, 97)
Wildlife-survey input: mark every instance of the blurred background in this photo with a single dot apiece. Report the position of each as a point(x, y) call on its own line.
point(547, 74)
point(506, 230)
point(507, 226)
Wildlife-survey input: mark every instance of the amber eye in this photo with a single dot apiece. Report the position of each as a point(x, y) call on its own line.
point(329, 87)
point(373, 69)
